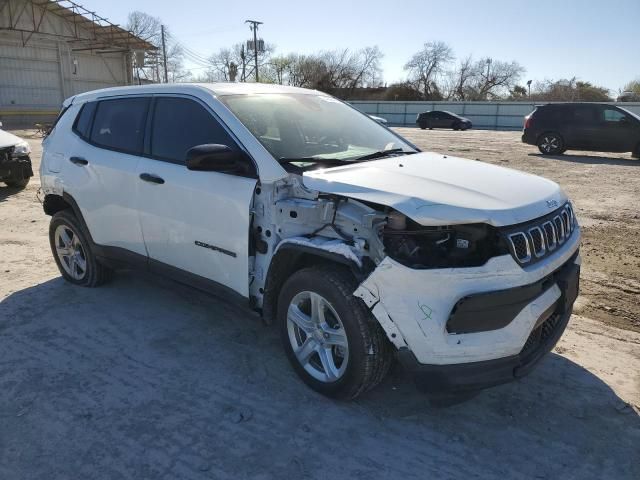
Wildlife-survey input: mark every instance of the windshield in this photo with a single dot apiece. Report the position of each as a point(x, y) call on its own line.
point(313, 127)
point(633, 114)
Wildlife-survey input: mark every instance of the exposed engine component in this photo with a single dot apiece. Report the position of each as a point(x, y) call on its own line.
point(422, 247)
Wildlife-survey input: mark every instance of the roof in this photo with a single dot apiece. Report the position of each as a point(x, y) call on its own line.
point(218, 89)
point(89, 30)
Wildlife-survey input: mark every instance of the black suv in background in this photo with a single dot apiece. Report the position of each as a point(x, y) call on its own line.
point(555, 128)
point(439, 119)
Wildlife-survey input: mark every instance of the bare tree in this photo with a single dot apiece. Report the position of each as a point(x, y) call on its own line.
point(148, 28)
point(494, 78)
point(458, 81)
point(427, 66)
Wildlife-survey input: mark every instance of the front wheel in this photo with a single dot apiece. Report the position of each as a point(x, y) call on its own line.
point(332, 341)
point(550, 144)
point(72, 252)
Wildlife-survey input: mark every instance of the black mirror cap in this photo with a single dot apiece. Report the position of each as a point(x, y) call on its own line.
point(213, 157)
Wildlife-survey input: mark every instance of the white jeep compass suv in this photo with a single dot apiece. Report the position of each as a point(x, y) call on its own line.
point(357, 245)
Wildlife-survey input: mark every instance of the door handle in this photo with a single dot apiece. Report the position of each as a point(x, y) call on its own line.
point(148, 177)
point(79, 161)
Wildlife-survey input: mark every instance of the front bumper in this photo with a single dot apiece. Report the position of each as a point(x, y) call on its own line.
point(459, 378)
point(415, 307)
point(16, 168)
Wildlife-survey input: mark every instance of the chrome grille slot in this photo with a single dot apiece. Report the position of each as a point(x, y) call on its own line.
point(557, 222)
point(534, 240)
point(550, 234)
point(520, 246)
point(537, 241)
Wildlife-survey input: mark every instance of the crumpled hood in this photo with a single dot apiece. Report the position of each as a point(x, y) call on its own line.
point(8, 139)
point(435, 189)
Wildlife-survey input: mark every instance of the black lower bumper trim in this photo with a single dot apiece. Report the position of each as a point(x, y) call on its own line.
point(464, 377)
point(16, 169)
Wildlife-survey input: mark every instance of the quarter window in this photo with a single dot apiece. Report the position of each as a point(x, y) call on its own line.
point(180, 124)
point(83, 122)
point(119, 124)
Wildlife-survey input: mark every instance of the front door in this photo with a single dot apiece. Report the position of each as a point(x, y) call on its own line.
point(195, 221)
point(619, 130)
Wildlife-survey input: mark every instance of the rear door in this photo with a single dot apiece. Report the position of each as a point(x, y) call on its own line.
point(99, 167)
point(619, 130)
point(582, 127)
point(194, 221)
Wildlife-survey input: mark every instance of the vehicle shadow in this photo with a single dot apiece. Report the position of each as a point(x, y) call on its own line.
point(145, 378)
point(590, 159)
point(6, 192)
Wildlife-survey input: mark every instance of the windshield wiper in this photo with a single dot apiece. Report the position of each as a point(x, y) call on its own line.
point(327, 161)
point(382, 153)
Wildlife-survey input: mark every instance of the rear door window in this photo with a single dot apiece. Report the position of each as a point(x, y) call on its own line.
point(180, 124)
point(119, 124)
point(585, 116)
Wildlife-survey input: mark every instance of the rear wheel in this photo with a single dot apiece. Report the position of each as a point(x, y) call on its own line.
point(551, 143)
point(329, 336)
point(72, 252)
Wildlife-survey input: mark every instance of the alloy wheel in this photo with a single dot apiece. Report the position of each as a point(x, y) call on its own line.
point(70, 252)
point(317, 337)
point(550, 143)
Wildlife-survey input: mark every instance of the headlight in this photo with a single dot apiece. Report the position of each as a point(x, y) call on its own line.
point(21, 149)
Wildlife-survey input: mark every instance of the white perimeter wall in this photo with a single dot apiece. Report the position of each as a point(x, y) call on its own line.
point(484, 115)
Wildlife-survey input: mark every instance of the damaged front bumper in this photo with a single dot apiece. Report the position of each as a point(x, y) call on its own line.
point(521, 313)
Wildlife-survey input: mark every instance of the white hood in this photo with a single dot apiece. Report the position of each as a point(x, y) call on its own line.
point(435, 189)
point(8, 139)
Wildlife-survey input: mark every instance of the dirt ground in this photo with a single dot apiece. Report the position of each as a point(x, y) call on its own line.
point(144, 378)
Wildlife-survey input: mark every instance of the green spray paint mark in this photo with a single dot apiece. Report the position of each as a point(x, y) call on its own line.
point(427, 310)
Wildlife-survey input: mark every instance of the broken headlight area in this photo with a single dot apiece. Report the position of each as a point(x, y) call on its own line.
point(420, 247)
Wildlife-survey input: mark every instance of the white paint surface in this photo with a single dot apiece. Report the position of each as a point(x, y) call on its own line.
point(435, 189)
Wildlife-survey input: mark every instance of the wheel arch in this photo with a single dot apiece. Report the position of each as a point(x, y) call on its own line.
point(54, 203)
point(288, 259)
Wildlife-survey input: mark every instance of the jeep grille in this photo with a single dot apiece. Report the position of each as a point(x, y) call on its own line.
point(532, 241)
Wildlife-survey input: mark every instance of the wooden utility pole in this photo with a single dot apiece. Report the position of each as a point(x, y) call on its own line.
point(254, 27)
point(164, 55)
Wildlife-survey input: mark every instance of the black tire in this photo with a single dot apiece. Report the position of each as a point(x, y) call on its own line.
point(95, 273)
point(551, 143)
point(636, 153)
point(456, 126)
point(21, 183)
point(369, 351)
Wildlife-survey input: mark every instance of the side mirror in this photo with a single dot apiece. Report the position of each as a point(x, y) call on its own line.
point(213, 157)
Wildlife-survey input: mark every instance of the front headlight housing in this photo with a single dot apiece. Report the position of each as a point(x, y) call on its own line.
point(21, 149)
point(454, 246)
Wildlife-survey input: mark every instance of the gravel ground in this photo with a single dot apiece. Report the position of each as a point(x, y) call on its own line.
point(144, 378)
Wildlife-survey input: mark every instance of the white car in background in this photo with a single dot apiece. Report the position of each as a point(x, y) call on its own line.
point(15, 162)
point(356, 244)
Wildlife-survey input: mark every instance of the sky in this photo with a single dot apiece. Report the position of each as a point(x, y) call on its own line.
point(594, 40)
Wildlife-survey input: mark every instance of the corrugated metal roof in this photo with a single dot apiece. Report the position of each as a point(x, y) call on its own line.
point(91, 31)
